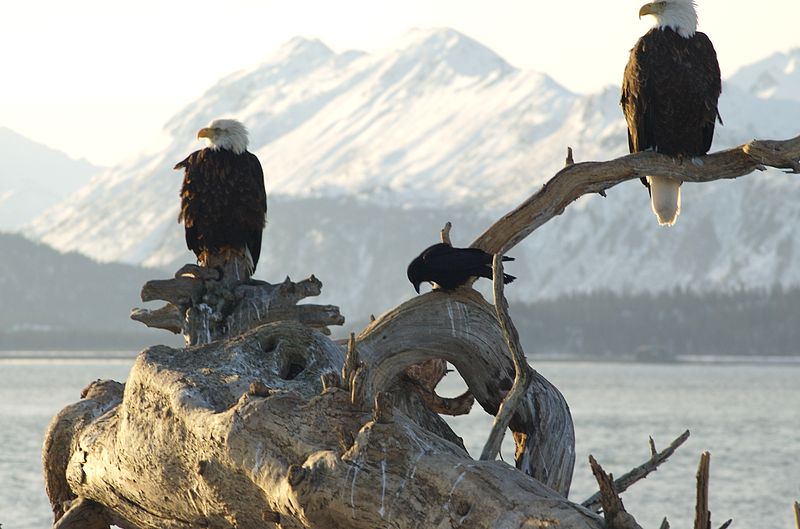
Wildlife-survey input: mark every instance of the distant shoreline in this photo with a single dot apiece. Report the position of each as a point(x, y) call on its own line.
point(115, 355)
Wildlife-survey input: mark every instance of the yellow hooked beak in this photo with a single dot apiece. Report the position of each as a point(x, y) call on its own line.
point(205, 133)
point(653, 8)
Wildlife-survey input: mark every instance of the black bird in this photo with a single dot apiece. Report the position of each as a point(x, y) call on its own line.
point(449, 267)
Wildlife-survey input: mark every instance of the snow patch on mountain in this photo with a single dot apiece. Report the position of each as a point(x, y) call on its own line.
point(775, 77)
point(33, 178)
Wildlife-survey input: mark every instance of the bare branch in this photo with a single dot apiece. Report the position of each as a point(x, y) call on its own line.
point(168, 317)
point(445, 233)
point(593, 177)
point(522, 376)
point(797, 514)
point(350, 362)
point(613, 509)
point(623, 483)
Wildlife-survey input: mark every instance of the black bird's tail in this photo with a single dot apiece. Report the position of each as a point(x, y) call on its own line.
point(508, 278)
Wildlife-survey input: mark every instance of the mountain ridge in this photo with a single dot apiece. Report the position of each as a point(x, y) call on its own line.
point(370, 139)
point(27, 182)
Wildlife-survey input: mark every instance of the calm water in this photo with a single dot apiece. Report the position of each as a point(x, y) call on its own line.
point(747, 416)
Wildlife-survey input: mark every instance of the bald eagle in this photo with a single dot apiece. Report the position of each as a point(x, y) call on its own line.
point(223, 200)
point(448, 268)
point(669, 95)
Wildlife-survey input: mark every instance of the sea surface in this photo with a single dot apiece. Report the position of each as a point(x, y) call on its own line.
point(746, 415)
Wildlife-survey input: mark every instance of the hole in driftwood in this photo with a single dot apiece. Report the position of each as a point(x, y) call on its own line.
point(269, 344)
point(291, 367)
point(294, 370)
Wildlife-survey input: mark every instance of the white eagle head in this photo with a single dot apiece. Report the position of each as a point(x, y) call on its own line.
point(225, 134)
point(680, 15)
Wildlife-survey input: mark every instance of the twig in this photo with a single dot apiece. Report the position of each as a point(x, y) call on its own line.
point(664, 524)
point(522, 376)
point(613, 510)
point(579, 179)
point(445, 233)
point(797, 514)
point(350, 362)
point(626, 480)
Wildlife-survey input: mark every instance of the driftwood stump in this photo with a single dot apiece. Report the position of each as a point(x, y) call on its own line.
point(278, 426)
point(261, 430)
point(206, 304)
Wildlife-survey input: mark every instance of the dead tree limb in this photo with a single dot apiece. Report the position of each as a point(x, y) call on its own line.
point(445, 233)
point(579, 179)
point(613, 510)
point(622, 483)
point(702, 516)
point(522, 375)
point(796, 509)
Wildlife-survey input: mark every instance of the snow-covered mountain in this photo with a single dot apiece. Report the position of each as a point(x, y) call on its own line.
point(777, 76)
point(33, 178)
point(366, 156)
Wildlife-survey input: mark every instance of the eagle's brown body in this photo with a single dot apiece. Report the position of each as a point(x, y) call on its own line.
point(670, 92)
point(669, 96)
point(223, 203)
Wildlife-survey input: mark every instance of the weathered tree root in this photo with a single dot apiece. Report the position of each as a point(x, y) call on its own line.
point(462, 328)
point(242, 434)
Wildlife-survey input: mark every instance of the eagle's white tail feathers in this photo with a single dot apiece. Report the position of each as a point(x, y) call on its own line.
point(665, 198)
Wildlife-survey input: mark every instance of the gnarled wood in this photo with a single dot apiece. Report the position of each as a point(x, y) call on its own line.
point(241, 433)
point(204, 308)
point(522, 375)
point(168, 317)
point(462, 328)
point(84, 514)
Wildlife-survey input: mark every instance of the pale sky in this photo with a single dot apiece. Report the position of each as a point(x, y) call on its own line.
point(98, 79)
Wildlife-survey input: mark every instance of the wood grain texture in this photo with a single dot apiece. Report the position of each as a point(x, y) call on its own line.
point(232, 434)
